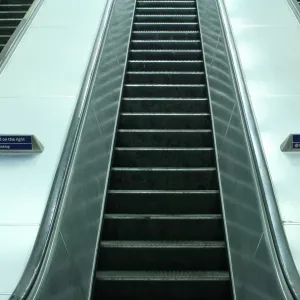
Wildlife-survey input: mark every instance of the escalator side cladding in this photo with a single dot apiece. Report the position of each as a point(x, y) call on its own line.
point(163, 232)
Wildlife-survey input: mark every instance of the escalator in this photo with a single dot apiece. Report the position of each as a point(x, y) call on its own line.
point(163, 232)
point(11, 14)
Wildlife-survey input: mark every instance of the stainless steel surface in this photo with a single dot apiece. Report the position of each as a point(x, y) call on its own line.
point(249, 202)
point(66, 270)
point(37, 257)
point(16, 37)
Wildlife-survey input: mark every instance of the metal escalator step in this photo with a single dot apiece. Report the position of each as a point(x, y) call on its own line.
point(165, 35)
point(15, 7)
point(4, 38)
point(164, 157)
point(144, 227)
point(165, 44)
point(145, 3)
point(164, 202)
point(165, 65)
point(164, 138)
point(149, 255)
point(165, 54)
point(165, 90)
point(7, 30)
point(166, 10)
point(163, 285)
point(178, 26)
point(160, 77)
point(164, 178)
point(170, 105)
point(164, 120)
point(166, 18)
point(10, 22)
point(10, 14)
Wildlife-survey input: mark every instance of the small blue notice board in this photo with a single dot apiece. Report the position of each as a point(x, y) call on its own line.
point(20, 144)
point(11, 143)
point(296, 141)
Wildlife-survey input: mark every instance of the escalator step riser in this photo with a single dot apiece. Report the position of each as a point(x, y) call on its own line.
point(164, 139)
point(166, 11)
point(165, 105)
point(12, 14)
point(152, 91)
point(145, 179)
point(163, 202)
point(7, 30)
point(165, 66)
point(162, 258)
point(165, 35)
point(14, 7)
point(165, 55)
point(166, 4)
point(164, 25)
point(4, 39)
point(146, 228)
point(164, 158)
point(165, 121)
point(165, 18)
point(165, 44)
point(165, 77)
point(9, 22)
point(167, 290)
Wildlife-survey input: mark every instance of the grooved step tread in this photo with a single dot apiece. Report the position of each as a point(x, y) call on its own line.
point(162, 244)
point(163, 275)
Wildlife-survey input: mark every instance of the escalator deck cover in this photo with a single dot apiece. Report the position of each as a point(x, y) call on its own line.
point(163, 233)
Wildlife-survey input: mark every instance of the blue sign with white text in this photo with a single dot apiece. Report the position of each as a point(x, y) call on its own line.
point(296, 141)
point(15, 143)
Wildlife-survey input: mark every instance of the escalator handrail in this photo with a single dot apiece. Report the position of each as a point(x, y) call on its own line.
point(283, 252)
point(18, 34)
point(47, 226)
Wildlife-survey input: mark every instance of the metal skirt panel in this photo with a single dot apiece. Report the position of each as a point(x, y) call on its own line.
point(256, 271)
point(67, 269)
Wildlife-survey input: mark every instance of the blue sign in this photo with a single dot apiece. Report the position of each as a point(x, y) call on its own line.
point(296, 141)
point(15, 143)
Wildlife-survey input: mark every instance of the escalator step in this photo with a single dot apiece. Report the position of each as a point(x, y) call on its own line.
point(163, 77)
point(164, 157)
point(164, 178)
point(164, 202)
point(163, 227)
point(145, 255)
point(165, 35)
point(164, 138)
point(170, 105)
point(182, 26)
point(167, 4)
point(163, 285)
